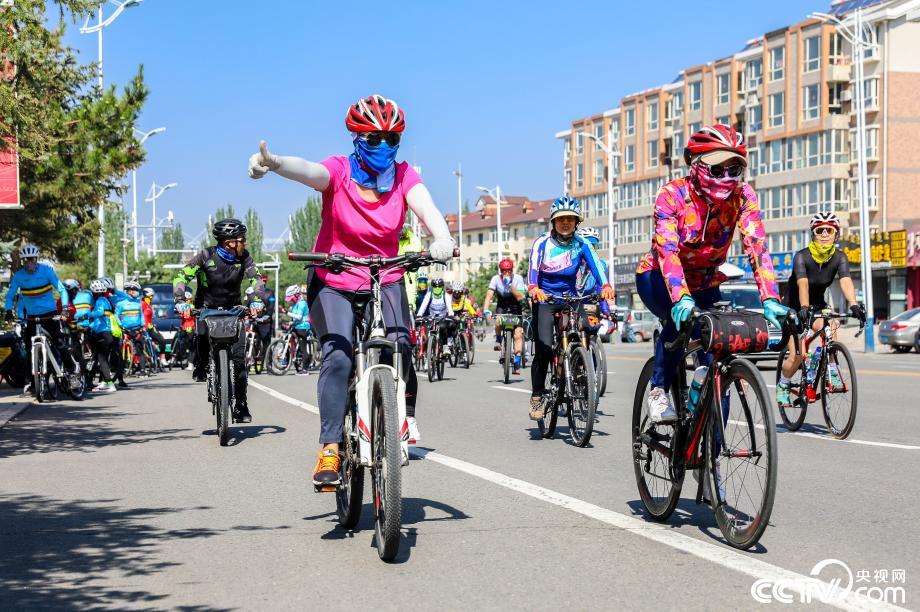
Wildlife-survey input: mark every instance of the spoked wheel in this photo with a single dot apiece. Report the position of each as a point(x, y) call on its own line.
point(600, 365)
point(223, 397)
point(583, 402)
point(279, 360)
point(76, 385)
point(349, 495)
point(547, 424)
point(471, 348)
point(507, 355)
point(463, 356)
point(793, 415)
point(432, 358)
point(838, 395)
point(43, 391)
point(742, 471)
point(653, 448)
point(387, 465)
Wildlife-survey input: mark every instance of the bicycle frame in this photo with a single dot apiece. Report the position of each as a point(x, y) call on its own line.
point(826, 316)
point(41, 346)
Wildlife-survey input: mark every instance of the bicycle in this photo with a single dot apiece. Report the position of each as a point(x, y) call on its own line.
point(49, 373)
point(285, 352)
point(253, 346)
point(729, 433)
point(572, 375)
point(222, 327)
point(375, 433)
point(508, 324)
point(470, 338)
point(459, 353)
point(134, 352)
point(420, 348)
point(598, 356)
point(435, 357)
point(839, 416)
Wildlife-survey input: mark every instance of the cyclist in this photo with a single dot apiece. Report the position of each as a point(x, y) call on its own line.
point(555, 259)
point(130, 316)
point(410, 243)
point(39, 299)
point(509, 289)
point(220, 270)
point(421, 289)
point(437, 305)
point(365, 197)
point(183, 344)
point(587, 286)
point(695, 219)
point(147, 308)
point(300, 315)
point(115, 358)
point(262, 326)
point(101, 322)
point(814, 268)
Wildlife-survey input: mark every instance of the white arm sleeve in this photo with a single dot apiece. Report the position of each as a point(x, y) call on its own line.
point(297, 169)
point(425, 302)
point(420, 202)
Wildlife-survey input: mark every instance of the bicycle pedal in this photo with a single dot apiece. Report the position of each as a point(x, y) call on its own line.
point(324, 488)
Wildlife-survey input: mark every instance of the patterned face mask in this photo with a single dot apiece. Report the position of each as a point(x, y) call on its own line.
point(714, 189)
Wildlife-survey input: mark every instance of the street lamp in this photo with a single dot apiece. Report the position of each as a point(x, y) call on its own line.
point(155, 192)
point(612, 151)
point(857, 34)
point(459, 174)
point(497, 195)
point(144, 136)
point(87, 29)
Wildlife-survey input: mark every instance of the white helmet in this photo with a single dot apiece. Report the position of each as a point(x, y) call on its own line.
point(589, 233)
point(457, 287)
point(825, 218)
point(108, 282)
point(291, 291)
point(132, 286)
point(97, 286)
point(250, 290)
point(28, 250)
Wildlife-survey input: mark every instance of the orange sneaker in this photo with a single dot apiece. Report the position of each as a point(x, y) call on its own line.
point(326, 471)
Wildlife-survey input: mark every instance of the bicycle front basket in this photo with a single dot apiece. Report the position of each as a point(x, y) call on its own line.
point(730, 333)
point(223, 328)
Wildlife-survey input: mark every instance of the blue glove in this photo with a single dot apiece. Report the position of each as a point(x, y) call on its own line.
point(681, 311)
point(773, 311)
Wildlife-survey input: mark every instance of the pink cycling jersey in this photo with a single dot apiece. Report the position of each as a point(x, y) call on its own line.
point(689, 256)
point(353, 226)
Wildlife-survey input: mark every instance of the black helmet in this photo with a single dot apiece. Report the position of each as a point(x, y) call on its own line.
point(438, 282)
point(228, 229)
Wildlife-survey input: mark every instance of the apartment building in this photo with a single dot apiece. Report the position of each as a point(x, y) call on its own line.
point(790, 92)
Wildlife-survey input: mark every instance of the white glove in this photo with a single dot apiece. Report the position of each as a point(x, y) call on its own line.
point(442, 249)
point(262, 162)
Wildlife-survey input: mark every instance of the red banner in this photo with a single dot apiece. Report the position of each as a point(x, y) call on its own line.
point(9, 176)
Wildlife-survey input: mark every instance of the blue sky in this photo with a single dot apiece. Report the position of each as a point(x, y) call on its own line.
point(483, 83)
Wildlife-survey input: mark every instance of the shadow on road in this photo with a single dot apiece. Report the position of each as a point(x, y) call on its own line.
point(239, 433)
point(79, 555)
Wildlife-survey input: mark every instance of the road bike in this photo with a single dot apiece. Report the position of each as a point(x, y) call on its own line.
point(375, 433)
point(49, 373)
point(420, 347)
point(508, 323)
point(728, 434)
point(135, 354)
point(832, 380)
point(458, 353)
point(435, 353)
point(468, 331)
point(223, 328)
point(572, 382)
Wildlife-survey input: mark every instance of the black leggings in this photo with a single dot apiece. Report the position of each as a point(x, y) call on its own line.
point(333, 319)
point(543, 323)
point(304, 336)
point(102, 346)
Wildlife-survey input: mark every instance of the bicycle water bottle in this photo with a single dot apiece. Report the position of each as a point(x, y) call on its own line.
point(812, 364)
point(696, 387)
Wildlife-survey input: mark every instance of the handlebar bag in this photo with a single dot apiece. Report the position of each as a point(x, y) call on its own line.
point(730, 333)
point(223, 327)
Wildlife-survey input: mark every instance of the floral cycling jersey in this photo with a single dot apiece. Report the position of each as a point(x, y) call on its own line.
point(554, 266)
point(692, 238)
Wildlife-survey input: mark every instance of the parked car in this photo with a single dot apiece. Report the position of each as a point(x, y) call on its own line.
point(165, 317)
point(901, 332)
point(747, 296)
point(644, 324)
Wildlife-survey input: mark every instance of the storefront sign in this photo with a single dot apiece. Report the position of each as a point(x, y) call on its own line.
point(913, 247)
point(888, 249)
point(782, 265)
point(624, 277)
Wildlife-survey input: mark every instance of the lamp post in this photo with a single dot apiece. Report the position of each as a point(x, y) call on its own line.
point(497, 195)
point(155, 192)
point(459, 174)
point(854, 31)
point(144, 137)
point(87, 29)
point(612, 151)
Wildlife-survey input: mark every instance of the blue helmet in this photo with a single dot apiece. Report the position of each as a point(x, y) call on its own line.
point(590, 234)
point(565, 206)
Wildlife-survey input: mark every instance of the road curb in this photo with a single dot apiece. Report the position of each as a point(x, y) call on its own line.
point(11, 408)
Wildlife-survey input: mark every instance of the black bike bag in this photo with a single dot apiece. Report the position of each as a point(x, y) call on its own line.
point(731, 333)
point(8, 339)
point(223, 328)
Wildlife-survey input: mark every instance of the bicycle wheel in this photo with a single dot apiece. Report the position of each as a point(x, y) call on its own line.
point(432, 357)
point(463, 356)
point(76, 385)
point(279, 360)
point(653, 447)
point(583, 401)
point(547, 425)
point(839, 405)
point(349, 495)
point(471, 347)
point(127, 357)
point(600, 365)
point(223, 396)
point(507, 354)
point(742, 473)
point(387, 464)
point(793, 415)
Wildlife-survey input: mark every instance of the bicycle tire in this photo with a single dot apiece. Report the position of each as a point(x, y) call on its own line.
point(432, 358)
point(127, 357)
point(793, 415)
point(600, 365)
point(844, 429)
point(583, 404)
point(471, 347)
point(77, 393)
point(507, 355)
point(349, 495)
point(658, 503)
point(387, 465)
point(463, 357)
point(280, 359)
point(547, 425)
point(741, 371)
point(223, 397)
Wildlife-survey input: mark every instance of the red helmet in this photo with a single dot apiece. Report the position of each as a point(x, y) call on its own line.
point(375, 114)
point(505, 265)
point(713, 138)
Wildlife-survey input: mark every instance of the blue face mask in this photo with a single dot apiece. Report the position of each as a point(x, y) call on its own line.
point(226, 255)
point(374, 167)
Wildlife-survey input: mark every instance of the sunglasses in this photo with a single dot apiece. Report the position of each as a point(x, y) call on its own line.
point(375, 138)
point(720, 171)
point(824, 231)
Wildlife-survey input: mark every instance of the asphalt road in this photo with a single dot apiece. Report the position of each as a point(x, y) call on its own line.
point(127, 501)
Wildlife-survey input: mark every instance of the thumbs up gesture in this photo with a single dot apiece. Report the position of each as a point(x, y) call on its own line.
point(262, 162)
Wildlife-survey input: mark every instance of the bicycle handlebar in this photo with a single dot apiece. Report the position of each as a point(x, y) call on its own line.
point(341, 261)
point(571, 300)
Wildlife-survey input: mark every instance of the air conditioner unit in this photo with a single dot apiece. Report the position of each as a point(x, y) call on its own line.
point(846, 95)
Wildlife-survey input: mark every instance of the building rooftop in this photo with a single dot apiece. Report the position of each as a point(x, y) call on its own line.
point(515, 210)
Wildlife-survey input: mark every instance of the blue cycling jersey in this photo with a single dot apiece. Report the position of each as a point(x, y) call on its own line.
point(83, 305)
point(129, 313)
point(38, 291)
point(99, 321)
point(299, 313)
point(554, 266)
point(588, 284)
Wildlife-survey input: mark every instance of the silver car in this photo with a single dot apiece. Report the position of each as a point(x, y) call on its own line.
point(901, 332)
point(645, 325)
point(743, 295)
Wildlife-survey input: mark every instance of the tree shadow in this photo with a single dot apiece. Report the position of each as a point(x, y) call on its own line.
point(239, 433)
point(61, 554)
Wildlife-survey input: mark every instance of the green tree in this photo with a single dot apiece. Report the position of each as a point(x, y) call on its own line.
point(220, 213)
point(74, 141)
point(255, 235)
point(172, 239)
point(305, 224)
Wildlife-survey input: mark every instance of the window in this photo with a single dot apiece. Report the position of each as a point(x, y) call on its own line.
point(696, 95)
point(775, 156)
point(812, 150)
point(777, 109)
point(755, 118)
point(753, 72)
point(753, 161)
point(568, 149)
point(870, 93)
point(812, 54)
point(629, 158)
point(614, 129)
point(811, 99)
point(833, 98)
point(677, 145)
point(598, 171)
point(515, 233)
point(630, 122)
point(839, 195)
point(871, 143)
point(677, 104)
point(652, 154)
point(839, 147)
point(795, 154)
point(651, 112)
point(724, 120)
point(579, 143)
point(722, 88)
point(695, 127)
point(598, 136)
point(579, 176)
point(777, 63)
point(480, 238)
point(568, 179)
point(836, 50)
point(871, 51)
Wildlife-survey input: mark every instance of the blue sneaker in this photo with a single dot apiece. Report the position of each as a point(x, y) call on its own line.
point(782, 394)
point(517, 363)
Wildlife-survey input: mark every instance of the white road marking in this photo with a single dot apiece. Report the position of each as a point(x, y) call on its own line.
point(661, 533)
point(806, 434)
point(511, 389)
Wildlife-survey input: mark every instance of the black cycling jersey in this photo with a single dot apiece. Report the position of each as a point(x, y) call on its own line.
point(219, 281)
point(820, 277)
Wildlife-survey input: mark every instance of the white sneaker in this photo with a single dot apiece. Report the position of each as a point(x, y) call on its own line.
point(105, 388)
point(660, 409)
point(414, 436)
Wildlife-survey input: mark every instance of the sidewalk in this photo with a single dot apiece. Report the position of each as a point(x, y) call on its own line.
point(11, 403)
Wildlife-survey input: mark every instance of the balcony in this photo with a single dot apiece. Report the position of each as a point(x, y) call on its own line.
point(838, 71)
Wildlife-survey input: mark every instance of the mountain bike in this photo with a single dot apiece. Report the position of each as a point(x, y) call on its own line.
point(467, 329)
point(508, 323)
point(420, 348)
point(832, 380)
point(435, 352)
point(376, 433)
point(253, 346)
point(284, 352)
point(572, 380)
point(728, 434)
point(598, 356)
point(458, 351)
point(223, 328)
point(49, 373)
point(134, 352)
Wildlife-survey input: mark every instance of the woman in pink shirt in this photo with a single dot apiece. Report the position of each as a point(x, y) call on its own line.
point(365, 198)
